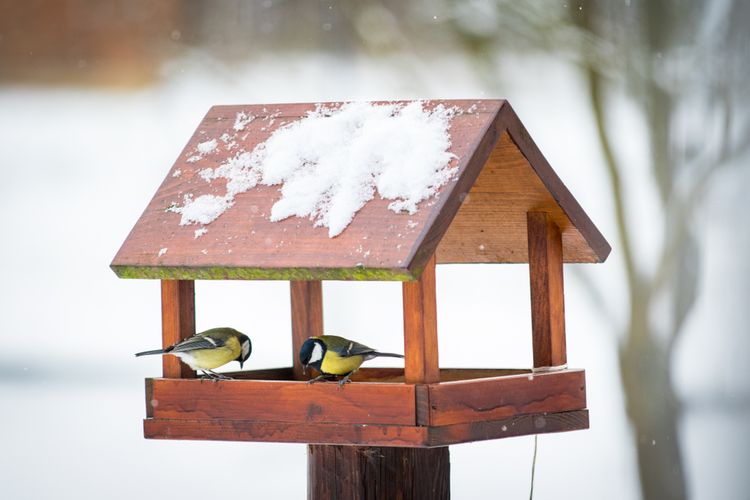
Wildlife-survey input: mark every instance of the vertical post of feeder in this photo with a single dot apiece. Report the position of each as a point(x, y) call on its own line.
point(177, 323)
point(307, 317)
point(547, 299)
point(379, 472)
point(420, 328)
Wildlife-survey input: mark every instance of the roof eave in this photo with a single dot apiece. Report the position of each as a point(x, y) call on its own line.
point(358, 273)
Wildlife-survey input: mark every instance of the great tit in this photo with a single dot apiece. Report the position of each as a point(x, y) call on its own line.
point(332, 355)
point(210, 349)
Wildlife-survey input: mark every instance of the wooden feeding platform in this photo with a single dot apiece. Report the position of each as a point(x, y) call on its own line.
point(504, 205)
point(379, 409)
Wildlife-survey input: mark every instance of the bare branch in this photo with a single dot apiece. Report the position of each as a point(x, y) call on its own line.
point(635, 288)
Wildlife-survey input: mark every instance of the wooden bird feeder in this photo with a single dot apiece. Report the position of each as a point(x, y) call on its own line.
point(505, 205)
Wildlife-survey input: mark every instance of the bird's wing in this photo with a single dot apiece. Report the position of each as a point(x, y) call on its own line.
point(198, 342)
point(351, 348)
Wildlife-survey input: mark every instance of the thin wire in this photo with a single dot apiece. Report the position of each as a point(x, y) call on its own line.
point(533, 468)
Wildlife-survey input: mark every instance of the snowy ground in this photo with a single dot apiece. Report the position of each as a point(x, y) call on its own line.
point(79, 166)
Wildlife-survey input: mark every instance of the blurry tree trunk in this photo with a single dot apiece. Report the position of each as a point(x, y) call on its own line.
point(645, 359)
point(654, 415)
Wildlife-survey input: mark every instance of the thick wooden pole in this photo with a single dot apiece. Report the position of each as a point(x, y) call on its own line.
point(177, 323)
point(307, 317)
point(377, 473)
point(385, 473)
point(547, 299)
point(420, 328)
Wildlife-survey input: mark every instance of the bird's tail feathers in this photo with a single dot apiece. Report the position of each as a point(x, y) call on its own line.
point(388, 355)
point(147, 353)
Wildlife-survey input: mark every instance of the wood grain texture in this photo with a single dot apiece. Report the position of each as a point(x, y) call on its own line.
point(307, 317)
point(484, 220)
point(564, 198)
point(490, 225)
point(502, 397)
point(177, 323)
point(379, 244)
point(547, 297)
point(422, 403)
point(520, 425)
point(284, 401)
point(420, 328)
point(364, 435)
point(392, 375)
point(285, 432)
point(149, 397)
point(377, 473)
point(370, 413)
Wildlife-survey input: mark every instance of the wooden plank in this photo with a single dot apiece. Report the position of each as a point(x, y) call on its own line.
point(420, 328)
point(547, 296)
point(515, 178)
point(554, 184)
point(375, 374)
point(364, 435)
point(490, 225)
point(177, 323)
point(282, 401)
point(378, 473)
point(149, 397)
point(503, 397)
point(379, 244)
point(520, 425)
point(285, 373)
point(285, 432)
point(422, 404)
point(396, 375)
point(307, 317)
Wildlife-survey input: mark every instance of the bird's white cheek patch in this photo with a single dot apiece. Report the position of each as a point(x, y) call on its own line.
point(317, 354)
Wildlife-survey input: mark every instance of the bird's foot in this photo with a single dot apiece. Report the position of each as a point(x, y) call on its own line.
point(345, 380)
point(211, 375)
point(325, 377)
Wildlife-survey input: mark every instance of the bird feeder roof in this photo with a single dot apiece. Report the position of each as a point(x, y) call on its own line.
point(478, 216)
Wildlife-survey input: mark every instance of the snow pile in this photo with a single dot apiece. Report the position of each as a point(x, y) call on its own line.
point(331, 162)
point(202, 210)
point(242, 120)
point(202, 149)
point(207, 146)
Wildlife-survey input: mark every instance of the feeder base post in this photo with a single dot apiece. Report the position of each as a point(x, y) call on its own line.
point(377, 473)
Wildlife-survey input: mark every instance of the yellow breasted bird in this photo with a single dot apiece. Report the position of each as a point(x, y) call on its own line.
point(332, 355)
point(210, 349)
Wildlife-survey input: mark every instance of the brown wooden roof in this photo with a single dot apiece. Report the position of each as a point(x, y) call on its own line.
point(480, 216)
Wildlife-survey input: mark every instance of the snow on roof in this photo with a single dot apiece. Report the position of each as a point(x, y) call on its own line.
point(332, 161)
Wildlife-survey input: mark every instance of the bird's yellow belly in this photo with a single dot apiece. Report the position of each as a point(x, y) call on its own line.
point(336, 365)
point(208, 359)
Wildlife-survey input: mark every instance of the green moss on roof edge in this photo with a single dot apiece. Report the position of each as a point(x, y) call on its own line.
point(255, 273)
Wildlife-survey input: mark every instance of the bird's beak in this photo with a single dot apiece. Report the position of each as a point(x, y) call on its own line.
point(241, 364)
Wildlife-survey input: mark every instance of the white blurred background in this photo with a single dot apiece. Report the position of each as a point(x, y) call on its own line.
point(641, 108)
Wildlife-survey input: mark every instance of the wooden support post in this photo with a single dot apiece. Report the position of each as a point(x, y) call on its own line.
point(177, 323)
point(378, 473)
point(307, 317)
point(375, 472)
point(547, 299)
point(420, 328)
